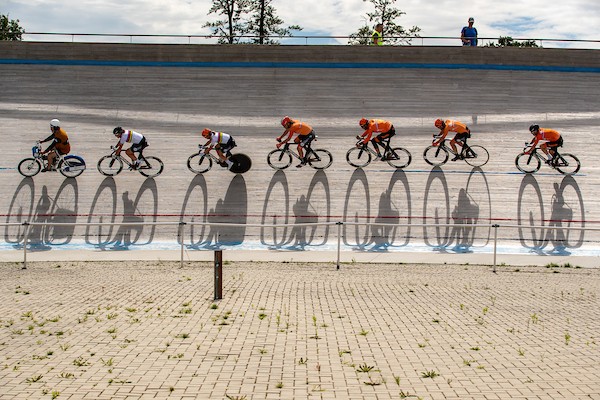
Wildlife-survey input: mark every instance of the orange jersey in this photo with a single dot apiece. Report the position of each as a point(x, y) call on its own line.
point(376, 126)
point(547, 135)
point(453, 126)
point(300, 128)
point(62, 141)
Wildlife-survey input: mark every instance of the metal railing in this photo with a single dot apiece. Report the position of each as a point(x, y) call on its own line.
point(182, 225)
point(289, 40)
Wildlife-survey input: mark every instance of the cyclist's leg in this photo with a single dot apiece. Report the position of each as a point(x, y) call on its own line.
point(545, 148)
point(300, 148)
point(453, 142)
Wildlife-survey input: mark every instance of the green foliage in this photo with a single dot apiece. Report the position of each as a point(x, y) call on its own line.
point(263, 22)
point(392, 33)
point(507, 41)
point(231, 27)
point(247, 21)
point(10, 28)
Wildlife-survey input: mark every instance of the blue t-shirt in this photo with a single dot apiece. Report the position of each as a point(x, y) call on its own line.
point(470, 33)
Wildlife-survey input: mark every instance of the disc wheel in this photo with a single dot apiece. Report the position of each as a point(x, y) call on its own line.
point(199, 163)
point(109, 166)
point(568, 164)
point(64, 169)
point(241, 163)
point(29, 167)
point(358, 157)
point(320, 159)
point(435, 155)
point(528, 163)
point(152, 167)
point(279, 159)
point(398, 157)
point(477, 156)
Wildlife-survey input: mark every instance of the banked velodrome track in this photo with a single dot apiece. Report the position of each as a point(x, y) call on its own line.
point(170, 93)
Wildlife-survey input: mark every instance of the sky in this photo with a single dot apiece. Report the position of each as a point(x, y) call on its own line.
point(572, 19)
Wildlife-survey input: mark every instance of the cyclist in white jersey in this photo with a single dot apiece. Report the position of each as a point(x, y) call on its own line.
point(137, 140)
point(222, 142)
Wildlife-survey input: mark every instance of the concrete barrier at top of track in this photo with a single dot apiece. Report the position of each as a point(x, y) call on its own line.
point(175, 53)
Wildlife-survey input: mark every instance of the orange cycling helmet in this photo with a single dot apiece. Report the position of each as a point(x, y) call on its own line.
point(363, 122)
point(286, 120)
point(206, 132)
point(439, 123)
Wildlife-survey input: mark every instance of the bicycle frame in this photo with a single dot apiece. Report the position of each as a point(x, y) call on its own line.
point(286, 149)
point(216, 159)
point(535, 152)
point(126, 160)
point(464, 147)
point(365, 146)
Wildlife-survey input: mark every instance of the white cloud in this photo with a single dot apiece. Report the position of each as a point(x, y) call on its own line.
point(575, 19)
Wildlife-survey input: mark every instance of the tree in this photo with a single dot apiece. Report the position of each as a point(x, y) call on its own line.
point(232, 27)
point(10, 29)
point(384, 14)
point(264, 22)
point(507, 41)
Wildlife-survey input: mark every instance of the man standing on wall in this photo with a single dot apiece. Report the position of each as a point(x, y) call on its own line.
point(468, 35)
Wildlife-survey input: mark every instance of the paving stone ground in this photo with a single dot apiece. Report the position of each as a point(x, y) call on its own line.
point(152, 330)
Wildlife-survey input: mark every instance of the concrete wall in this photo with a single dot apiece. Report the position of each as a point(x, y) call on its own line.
point(303, 54)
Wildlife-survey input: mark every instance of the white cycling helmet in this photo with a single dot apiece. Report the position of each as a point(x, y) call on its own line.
point(55, 123)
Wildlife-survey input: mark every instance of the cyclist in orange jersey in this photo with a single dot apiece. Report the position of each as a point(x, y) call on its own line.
point(60, 144)
point(383, 128)
point(462, 133)
point(550, 139)
point(304, 136)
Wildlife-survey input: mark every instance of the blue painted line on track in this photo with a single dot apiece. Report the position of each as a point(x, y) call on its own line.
point(307, 65)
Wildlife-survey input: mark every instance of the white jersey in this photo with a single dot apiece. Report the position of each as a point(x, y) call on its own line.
point(131, 137)
point(219, 138)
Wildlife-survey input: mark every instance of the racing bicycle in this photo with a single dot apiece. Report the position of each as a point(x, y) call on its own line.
point(565, 163)
point(201, 162)
point(361, 155)
point(112, 164)
point(70, 165)
point(316, 158)
point(475, 156)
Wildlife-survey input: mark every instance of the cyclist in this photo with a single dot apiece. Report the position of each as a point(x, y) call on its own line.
point(383, 128)
point(550, 139)
point(304, 136)
point(137, 140)
point(222, 143)
point(60, 144)
point(462, 133)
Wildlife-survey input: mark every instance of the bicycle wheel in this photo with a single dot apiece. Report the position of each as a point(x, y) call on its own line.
point(528, 163)
point(476, 156)
point(358, 157)
point(320, 159)
point(109, 166)
point(199, 163)
point(151, 166)
point(567, 164)
point(398, 157)
point(29, 167)
point(435, 155)
point(70, 169)
point(279, 159)
point(241, 163)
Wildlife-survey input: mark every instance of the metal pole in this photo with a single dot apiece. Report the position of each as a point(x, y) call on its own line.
point(25, 240)
point(339, 236)
point(495, 226)
point(180, 233)
point(218, 274)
